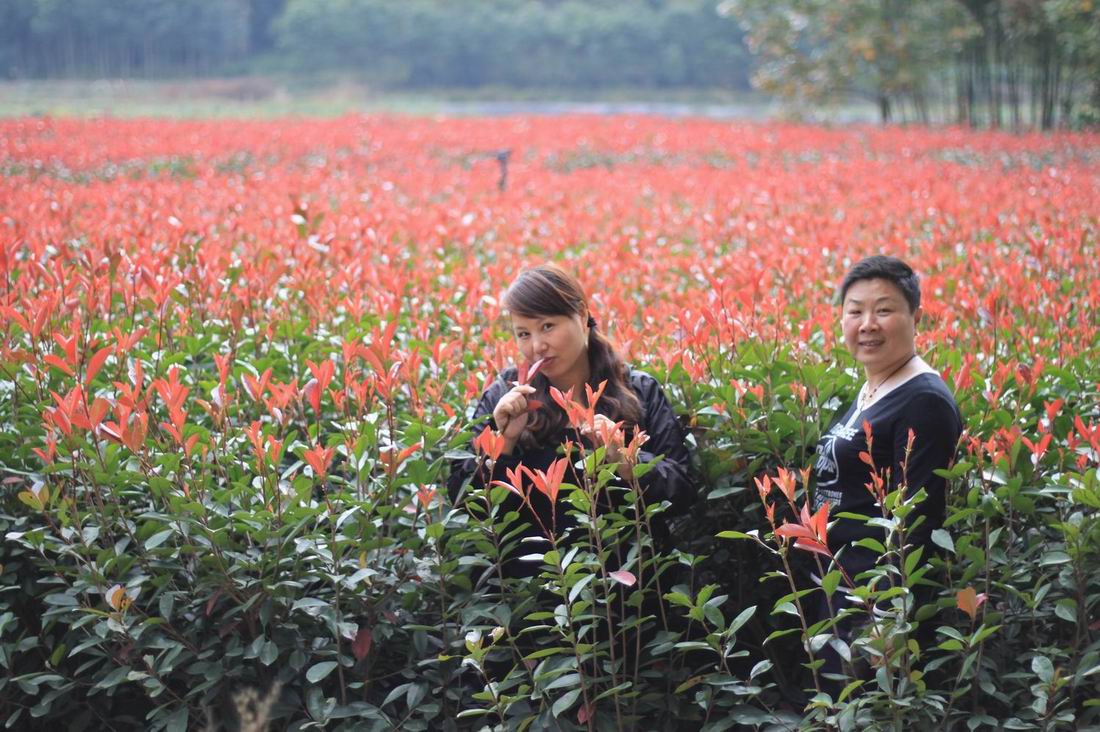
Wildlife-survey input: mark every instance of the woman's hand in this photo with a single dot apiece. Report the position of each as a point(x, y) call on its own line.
point(510, 414)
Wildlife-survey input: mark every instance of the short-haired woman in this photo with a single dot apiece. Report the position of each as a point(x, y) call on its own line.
point(880, 310)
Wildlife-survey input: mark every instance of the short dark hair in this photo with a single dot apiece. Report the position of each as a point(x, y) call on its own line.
point(882, 267)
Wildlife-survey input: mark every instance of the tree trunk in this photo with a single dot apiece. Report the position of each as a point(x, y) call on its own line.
point(1013, 72)
point(1055, 88)
point(1066, 112)
point(1035, 93)
point(921, 104)
point(884, 108)
point(960, 93)
point(973, 81)
point(995, 118)
point(1047, 95)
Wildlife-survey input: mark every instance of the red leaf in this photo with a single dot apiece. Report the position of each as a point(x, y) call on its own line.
point(361, 646)
point(112, 430)
point(530, 372)
point(43, 315)
point(794, 531)
point(812, 545)
point(55, 361)
point(312, 392)
point(623, 577)
point(95, 363)
point(969, 600)
point(13, 314)
point(211, 602)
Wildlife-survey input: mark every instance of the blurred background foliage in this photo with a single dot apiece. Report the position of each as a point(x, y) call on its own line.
point(995, 63)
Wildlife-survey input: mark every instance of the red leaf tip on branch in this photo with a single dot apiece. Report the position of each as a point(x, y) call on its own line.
point(319, 458)
point(489, 443)
point(969, 600)
point(811, 532)
point(549, 482)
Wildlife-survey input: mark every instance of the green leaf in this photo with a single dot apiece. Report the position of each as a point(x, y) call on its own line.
point(714, 615)
point(319, 671)
point(741, 619)
point(544, 653)
point(579, 587)
point(831, 581)
point(785, 607)
point(1043, 668)
point(269, 653)
point(114, 678)
point(1053, 558)
point(563, 703)
point(729, 490)
point(157, 539)
point(873, 544)
point(178, 721)
point(943, 540)
point(734, 535)
point(760, 668)
point(689, 683)
point(983, 633)
point(1066, 609)
point(679, 598)
point(308, 602)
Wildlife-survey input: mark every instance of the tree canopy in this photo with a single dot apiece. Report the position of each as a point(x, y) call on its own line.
point(979, 62)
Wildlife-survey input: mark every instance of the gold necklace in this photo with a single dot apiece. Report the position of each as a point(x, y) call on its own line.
point(868, 395)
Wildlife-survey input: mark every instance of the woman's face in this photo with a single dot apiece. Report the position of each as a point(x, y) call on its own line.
point(558, 339)
point(879, 330)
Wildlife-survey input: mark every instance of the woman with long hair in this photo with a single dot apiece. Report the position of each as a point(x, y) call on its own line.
point(555, 330)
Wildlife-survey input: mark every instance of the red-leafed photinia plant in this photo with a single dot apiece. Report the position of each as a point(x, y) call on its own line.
point(237, 359)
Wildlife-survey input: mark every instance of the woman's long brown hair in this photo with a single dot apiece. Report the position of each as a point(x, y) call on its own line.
point(550, 290)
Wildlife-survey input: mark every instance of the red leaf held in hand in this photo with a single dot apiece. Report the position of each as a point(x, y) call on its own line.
point(530, 372)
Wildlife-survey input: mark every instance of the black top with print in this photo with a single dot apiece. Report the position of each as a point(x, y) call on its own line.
point(923, 404)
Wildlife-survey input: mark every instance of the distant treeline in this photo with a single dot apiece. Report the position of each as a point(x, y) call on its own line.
point(132, 38)
point(995, 63)
point(408, 43)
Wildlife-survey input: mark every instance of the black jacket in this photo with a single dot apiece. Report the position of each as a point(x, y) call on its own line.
point(671, 478)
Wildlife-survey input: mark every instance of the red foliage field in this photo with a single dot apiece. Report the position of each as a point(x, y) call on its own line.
point(323, 296)
point(685, 232)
